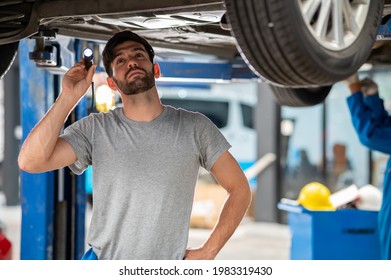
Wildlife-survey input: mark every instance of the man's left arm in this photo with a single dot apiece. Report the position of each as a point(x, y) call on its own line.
point(230, 176)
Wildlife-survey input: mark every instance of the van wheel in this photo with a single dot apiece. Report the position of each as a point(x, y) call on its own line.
point(300, 97)
point(304, 43)
point(8, 54)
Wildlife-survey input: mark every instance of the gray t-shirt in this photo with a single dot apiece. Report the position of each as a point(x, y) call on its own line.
point(144, 174)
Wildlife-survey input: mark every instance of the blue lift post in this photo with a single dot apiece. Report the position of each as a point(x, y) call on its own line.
point(47, 232)
point(37, 190)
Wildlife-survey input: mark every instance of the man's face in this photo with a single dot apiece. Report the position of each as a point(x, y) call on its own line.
point(132, 70)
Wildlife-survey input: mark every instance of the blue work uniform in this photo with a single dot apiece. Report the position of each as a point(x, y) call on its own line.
point(373, 126)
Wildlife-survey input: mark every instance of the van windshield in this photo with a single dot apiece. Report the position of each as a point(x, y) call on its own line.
point(216, 111)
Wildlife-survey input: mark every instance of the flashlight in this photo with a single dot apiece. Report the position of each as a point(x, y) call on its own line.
point(88, 57)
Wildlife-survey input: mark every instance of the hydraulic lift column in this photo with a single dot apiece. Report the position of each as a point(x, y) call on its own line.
point(53, 205)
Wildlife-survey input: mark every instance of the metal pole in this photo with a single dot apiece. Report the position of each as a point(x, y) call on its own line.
point(11, 138)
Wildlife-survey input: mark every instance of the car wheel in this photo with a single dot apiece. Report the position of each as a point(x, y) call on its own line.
point(300, 97)
point(304, 42)
point(8, 54)
point(14, 20)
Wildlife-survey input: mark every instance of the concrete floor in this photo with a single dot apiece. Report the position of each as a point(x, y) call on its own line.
point(251, 241)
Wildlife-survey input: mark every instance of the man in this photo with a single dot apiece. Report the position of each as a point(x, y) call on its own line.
point(145, 159)
point(373, 126)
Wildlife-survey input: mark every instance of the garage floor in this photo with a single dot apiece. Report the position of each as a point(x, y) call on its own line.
point(251, 241)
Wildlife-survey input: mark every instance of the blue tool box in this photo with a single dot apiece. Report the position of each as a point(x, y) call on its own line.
point(347, 234)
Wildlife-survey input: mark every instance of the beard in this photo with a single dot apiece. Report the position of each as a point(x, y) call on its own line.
point(138, 85)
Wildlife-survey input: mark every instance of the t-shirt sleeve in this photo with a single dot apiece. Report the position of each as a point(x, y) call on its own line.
point(79, 136)
point(211, 142)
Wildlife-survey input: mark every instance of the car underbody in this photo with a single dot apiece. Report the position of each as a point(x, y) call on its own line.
point(290, 44)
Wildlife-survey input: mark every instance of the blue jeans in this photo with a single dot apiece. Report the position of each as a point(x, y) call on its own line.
point(89, 256)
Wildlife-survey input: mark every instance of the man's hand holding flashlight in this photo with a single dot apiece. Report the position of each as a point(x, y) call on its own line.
point(77, 80)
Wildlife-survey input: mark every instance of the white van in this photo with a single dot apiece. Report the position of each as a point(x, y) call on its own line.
point(230, 106)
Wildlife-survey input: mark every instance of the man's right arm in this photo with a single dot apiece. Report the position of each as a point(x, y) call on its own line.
point(43, 150)
point(369, 118)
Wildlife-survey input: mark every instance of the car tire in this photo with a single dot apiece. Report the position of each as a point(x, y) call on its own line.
point(274, 39)
point(300, 97)
point(8, 54)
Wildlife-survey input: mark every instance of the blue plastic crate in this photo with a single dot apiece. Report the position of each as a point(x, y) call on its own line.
point(347, 234)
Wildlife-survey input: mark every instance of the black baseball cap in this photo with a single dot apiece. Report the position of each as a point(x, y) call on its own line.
point(119, 38)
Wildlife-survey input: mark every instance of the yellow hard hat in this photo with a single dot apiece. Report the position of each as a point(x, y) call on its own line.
point(315, 196)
